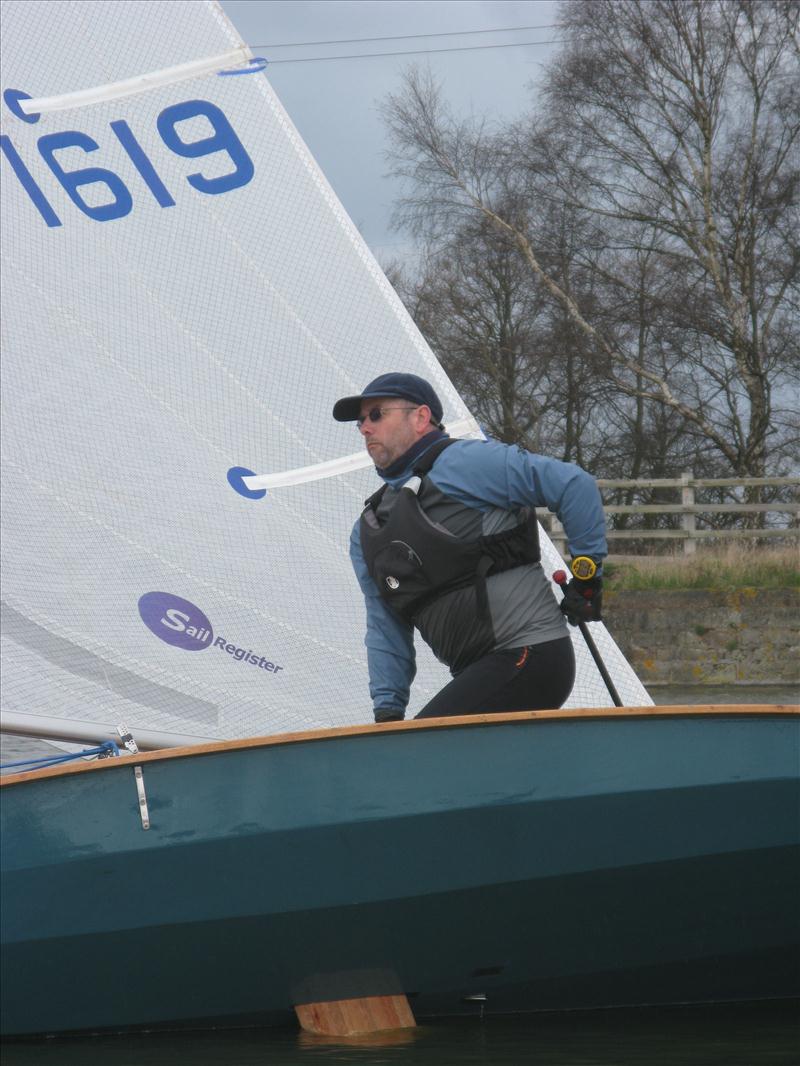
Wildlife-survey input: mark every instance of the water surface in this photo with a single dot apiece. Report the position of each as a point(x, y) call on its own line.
point(765, 1034)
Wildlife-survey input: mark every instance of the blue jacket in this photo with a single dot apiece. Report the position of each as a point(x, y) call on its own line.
point(480, 486)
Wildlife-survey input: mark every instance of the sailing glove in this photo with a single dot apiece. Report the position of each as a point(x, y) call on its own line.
point(389, 714)
point(583, 600)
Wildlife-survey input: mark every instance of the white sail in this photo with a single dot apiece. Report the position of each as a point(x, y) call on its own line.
point(183, 299)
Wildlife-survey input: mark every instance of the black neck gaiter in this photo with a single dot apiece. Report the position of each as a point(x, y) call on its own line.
point(407, 459)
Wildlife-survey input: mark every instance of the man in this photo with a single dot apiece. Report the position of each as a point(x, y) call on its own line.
point(449, 546)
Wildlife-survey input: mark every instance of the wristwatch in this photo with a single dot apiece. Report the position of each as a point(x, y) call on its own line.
point(583, 567)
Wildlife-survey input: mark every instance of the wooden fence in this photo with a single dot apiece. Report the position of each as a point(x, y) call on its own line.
point(688, 508)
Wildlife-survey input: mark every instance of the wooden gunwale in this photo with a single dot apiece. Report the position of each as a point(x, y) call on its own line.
point(580, 714)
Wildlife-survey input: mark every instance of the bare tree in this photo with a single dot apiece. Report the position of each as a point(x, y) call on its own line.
point(671, 140)
point(476, 305)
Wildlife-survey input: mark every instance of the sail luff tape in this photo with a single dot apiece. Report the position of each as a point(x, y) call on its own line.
point(345, 465)
point(141, 83)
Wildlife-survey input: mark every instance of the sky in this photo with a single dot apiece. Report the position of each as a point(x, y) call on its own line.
point(334, 102)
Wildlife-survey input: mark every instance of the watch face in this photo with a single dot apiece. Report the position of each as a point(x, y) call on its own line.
point(583, 568)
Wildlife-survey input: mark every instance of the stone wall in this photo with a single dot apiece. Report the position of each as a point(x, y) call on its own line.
point(708, 637)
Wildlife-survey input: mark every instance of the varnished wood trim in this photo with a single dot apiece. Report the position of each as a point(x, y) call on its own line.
point(581, 714)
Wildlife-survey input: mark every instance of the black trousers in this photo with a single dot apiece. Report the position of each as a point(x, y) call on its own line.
point(534, 678)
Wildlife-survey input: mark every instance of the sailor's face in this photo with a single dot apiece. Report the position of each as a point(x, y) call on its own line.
point(393, 433)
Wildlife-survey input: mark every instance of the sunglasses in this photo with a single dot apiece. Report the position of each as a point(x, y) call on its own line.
point(377, 413)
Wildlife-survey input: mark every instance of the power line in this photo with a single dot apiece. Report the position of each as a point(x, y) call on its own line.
point(416, 52)
point(404, 37)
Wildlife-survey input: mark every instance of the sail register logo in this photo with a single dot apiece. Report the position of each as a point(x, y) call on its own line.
point(183, 625)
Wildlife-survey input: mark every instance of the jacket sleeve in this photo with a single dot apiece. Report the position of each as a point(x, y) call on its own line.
point(391, 657)
point(482, 473)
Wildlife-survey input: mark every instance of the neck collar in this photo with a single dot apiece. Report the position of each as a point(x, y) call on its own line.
point(399, 466)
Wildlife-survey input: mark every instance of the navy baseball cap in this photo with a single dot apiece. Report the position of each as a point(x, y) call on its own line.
point(406, 386)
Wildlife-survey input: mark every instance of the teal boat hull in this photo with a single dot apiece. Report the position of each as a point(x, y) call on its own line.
point(519, 863)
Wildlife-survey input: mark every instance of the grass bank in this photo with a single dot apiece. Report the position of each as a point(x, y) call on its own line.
point(729, 566)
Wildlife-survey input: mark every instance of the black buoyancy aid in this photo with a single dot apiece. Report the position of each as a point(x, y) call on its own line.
point(414, 561)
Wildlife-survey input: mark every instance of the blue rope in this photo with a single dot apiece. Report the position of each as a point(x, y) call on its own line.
point(53, 760)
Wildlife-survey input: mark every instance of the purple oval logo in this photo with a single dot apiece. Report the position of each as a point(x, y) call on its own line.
point(176, 621)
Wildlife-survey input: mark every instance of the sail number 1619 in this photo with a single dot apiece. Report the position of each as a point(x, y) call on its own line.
point(74, 182)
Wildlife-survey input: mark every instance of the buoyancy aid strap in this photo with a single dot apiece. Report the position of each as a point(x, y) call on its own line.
point(420, 469)
point(504, 547)
point(481, 595)
point(372, 502)
point(423, 466)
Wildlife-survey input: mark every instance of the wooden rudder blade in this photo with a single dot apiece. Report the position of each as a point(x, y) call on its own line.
point(348, 1017)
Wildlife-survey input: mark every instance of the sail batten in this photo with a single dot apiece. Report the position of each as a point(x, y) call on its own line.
point(130, 86)
point(466, 427)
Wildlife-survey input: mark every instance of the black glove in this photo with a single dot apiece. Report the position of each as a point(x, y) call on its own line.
point(583, 600)
point(389, 714)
